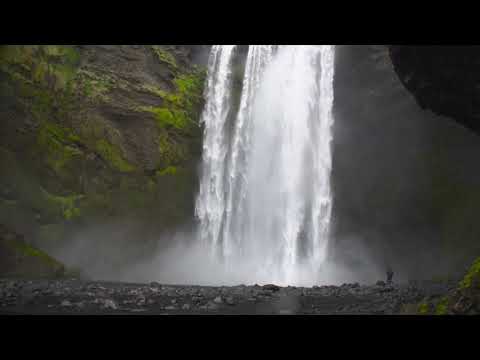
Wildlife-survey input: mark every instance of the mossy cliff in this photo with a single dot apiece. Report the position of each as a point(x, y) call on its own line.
point(94, 133)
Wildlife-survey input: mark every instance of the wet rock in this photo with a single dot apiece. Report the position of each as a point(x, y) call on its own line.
point(380, 283)
point(218, 300)
point(66, 303)
point(212, 306)
point(170, 307)
point(387, 289)
point(141, 300)
point(109, 304)
point(80, 305)
point(271, 287)
point(186, 307)
point(230, 301)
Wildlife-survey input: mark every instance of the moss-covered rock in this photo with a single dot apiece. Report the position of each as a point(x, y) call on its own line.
point(18, 259)
point(471, 281)
point(465, 299)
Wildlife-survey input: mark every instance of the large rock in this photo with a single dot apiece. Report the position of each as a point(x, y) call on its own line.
point(18, 259)
point(443, 79)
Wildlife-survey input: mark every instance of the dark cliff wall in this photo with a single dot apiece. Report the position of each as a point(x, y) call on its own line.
point(444, 79)
point(97, 134)
point(405, 180)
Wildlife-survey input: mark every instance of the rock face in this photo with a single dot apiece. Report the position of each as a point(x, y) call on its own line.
point(405, 180)
point(89, 133)
point(444, 79)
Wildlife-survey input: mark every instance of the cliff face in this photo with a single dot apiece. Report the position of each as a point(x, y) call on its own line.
point(405, 180)
point(443, 79)
point(94, 133)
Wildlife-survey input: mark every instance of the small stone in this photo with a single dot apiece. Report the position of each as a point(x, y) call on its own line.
point(186, 307)
point(174, 301)
point(80, 304)
point(66, 303)
point(230, 301)
point(380, 283)
point(212, 306)
point(170, 307)
point(110, 304)
point(141, 300)
point(218, 300)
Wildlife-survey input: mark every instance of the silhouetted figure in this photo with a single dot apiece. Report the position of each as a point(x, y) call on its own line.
point(389, 275)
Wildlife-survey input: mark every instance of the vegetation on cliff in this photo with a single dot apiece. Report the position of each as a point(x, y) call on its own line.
point(92, 132)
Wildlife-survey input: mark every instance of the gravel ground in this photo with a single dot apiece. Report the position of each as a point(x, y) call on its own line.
point(82, 297)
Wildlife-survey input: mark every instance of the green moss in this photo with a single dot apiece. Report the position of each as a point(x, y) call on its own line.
point(442, 306)
point(56, 143)
point(169, 170)
point(190, 85)
point(180, 107)
point(423, 308)
point(165, 56)
point(50, 66)
point(172, 152)
point(94, 85)
point(165, 117)
point(23, 260)
point(66, 204)
point(29, 251)
point(113, 156)
point(67, 54)
point(472, 278)
point(156, 91)
point(32, 196)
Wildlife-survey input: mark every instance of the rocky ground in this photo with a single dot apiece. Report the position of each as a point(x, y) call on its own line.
point(81, 297)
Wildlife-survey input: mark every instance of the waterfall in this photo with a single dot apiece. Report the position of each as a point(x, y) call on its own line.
point(264, 204)
point(210, 203)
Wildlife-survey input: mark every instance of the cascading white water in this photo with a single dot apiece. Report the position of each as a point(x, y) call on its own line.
point(211, 198)
point(265, 201)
